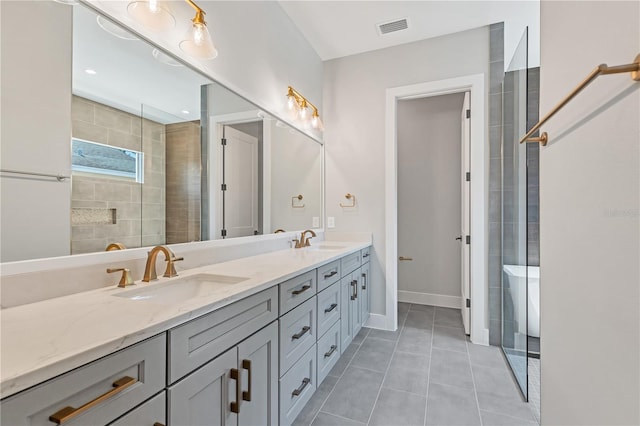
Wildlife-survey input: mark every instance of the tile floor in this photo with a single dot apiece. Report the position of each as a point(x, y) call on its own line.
point(534, 386)
point(425, 373)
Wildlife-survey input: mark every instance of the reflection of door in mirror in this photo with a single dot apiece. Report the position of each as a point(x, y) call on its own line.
point(240, 183)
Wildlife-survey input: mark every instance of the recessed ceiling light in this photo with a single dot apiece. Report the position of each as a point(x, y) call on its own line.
point(184, 111)
point(90, 71)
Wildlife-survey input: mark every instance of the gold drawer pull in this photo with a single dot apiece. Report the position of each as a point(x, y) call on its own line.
point(331, 308)
point(302, 290)
point(301, 333)
point(235, 405)
point(405, 258)
point(68, 413)
point(333, 349)
point(330, 275)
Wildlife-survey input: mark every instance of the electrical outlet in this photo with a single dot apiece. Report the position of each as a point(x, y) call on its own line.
point(316, 222)
point(331, 222)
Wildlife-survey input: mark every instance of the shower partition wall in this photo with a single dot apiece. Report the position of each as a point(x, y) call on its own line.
point(514, 216)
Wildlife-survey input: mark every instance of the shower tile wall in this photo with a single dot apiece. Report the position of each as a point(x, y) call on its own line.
point(183, 182)
point(496, 77)
point(138, 209)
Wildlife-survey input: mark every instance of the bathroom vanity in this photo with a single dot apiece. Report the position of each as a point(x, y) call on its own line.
point(240, 342)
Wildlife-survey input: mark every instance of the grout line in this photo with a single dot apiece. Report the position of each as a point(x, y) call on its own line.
point(505, 415)
point(395, 345)
point(426, 405)
point(475, 390)
point(340, 417)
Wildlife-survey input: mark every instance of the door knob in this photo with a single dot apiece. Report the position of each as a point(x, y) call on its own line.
point(405, 258)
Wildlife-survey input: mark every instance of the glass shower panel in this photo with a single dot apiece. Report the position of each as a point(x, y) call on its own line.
point(514, 216)
point(171, 188)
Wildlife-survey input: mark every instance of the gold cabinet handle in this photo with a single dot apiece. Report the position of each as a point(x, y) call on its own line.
point(68, 413)
point(301, 333)
point(304, 384)
point(364, 281)
point(405, 258)
point(301, 290)
point(246, 364)
point(235, 405)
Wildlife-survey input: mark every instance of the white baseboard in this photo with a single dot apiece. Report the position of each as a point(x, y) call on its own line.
point(430, 299)
point(483, 339)
point(377, 321)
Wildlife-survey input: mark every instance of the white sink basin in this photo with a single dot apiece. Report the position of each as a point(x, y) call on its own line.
point(178, 290)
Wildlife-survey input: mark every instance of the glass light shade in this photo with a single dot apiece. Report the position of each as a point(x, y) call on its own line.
point(316, 123)
point(151, 15)
point(198, 43)
point(114, 29)
point(304, 113)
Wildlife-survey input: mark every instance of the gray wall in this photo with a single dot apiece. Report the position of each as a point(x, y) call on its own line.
point(590, 217)
point(429, 194)
point(354, 99)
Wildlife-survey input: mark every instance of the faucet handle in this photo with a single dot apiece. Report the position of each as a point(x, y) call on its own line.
point(171, 269)
point(125, 279)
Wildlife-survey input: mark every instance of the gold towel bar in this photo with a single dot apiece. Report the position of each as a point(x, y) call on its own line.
point(603, 69)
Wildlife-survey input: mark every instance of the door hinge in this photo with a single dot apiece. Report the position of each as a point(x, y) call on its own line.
point(468, 177)
point(468, 303)
point(468, 239)
point(223, 141)
point(223, 186)
point(223, 232)
point(468, 113)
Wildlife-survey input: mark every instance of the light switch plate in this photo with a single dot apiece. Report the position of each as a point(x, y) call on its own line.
point(316, 222)
point(331, 222)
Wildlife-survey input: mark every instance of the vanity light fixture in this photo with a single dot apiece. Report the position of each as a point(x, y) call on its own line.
point(151, 14)
point(198, 41)
point(301, 109)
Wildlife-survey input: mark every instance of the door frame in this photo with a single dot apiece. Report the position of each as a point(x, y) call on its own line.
point(479, 195)
point(215, 161)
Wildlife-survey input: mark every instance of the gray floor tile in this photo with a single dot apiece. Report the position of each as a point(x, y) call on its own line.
point(423, 308)
point(508, 406)
point(418, 319)
point(344, 360)
point(448, 317)
point(448, 405)
point(486, 356)
point(403, 307)
point(415, 341)
point(493, 419)
point(385, 334)
point(374, 354)
point(450, 338)
point(315, 403)
point(497, 381)
point(355, 394)
point(398, 408)
point(362, 334)
point(407, 380)
point(325, 419)
point(416, 362)
point(450, 368)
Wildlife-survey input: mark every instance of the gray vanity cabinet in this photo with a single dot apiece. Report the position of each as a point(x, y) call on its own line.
point(355, 305)
point(346, 321)
point(365, 294)
point(152, 412)
point(239, 387)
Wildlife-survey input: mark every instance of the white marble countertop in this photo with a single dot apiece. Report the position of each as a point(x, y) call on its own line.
point(44, 339)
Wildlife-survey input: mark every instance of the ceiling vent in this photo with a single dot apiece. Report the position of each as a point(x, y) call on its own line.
point(392, 26)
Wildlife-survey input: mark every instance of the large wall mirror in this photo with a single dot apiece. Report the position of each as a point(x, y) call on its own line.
point(163, 155)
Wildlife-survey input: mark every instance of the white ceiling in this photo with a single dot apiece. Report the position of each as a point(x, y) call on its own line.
point(342, 28)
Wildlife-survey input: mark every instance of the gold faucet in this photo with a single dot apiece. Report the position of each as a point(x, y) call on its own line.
point(150, 269)
point(302, 242)
point(115, 246)
point(126, 279)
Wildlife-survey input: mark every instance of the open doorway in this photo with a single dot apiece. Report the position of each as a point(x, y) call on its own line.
point(433, 202)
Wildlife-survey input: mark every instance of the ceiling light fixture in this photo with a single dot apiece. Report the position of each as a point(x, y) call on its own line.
point(198, 41)
point(151, 14)
point(301, 109)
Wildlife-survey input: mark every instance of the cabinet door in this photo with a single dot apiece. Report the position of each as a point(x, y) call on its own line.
point(354, 301)
point(258, 361)
point(152, 412)
point(365, 294)
point(346, 321)
point(205, 396)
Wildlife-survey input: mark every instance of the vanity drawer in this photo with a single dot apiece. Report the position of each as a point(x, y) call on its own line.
point(328, 274)
point(328, 351)
point(366, 254)
point(139, 372)
point(297, 387)
point(197, 342)
point(328, 308)
point(350, 262)
point(297, 333)
point(297, 290)
point(151, 412)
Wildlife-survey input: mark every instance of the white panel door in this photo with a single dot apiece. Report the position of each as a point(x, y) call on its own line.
point(241, 180)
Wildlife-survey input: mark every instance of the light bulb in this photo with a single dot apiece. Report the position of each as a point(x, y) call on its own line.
point(152, 15)
point(291, 103)
point(198, 42)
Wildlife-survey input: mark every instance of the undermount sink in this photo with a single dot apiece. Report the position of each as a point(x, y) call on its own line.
point(178, 290)
point(325, 247)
